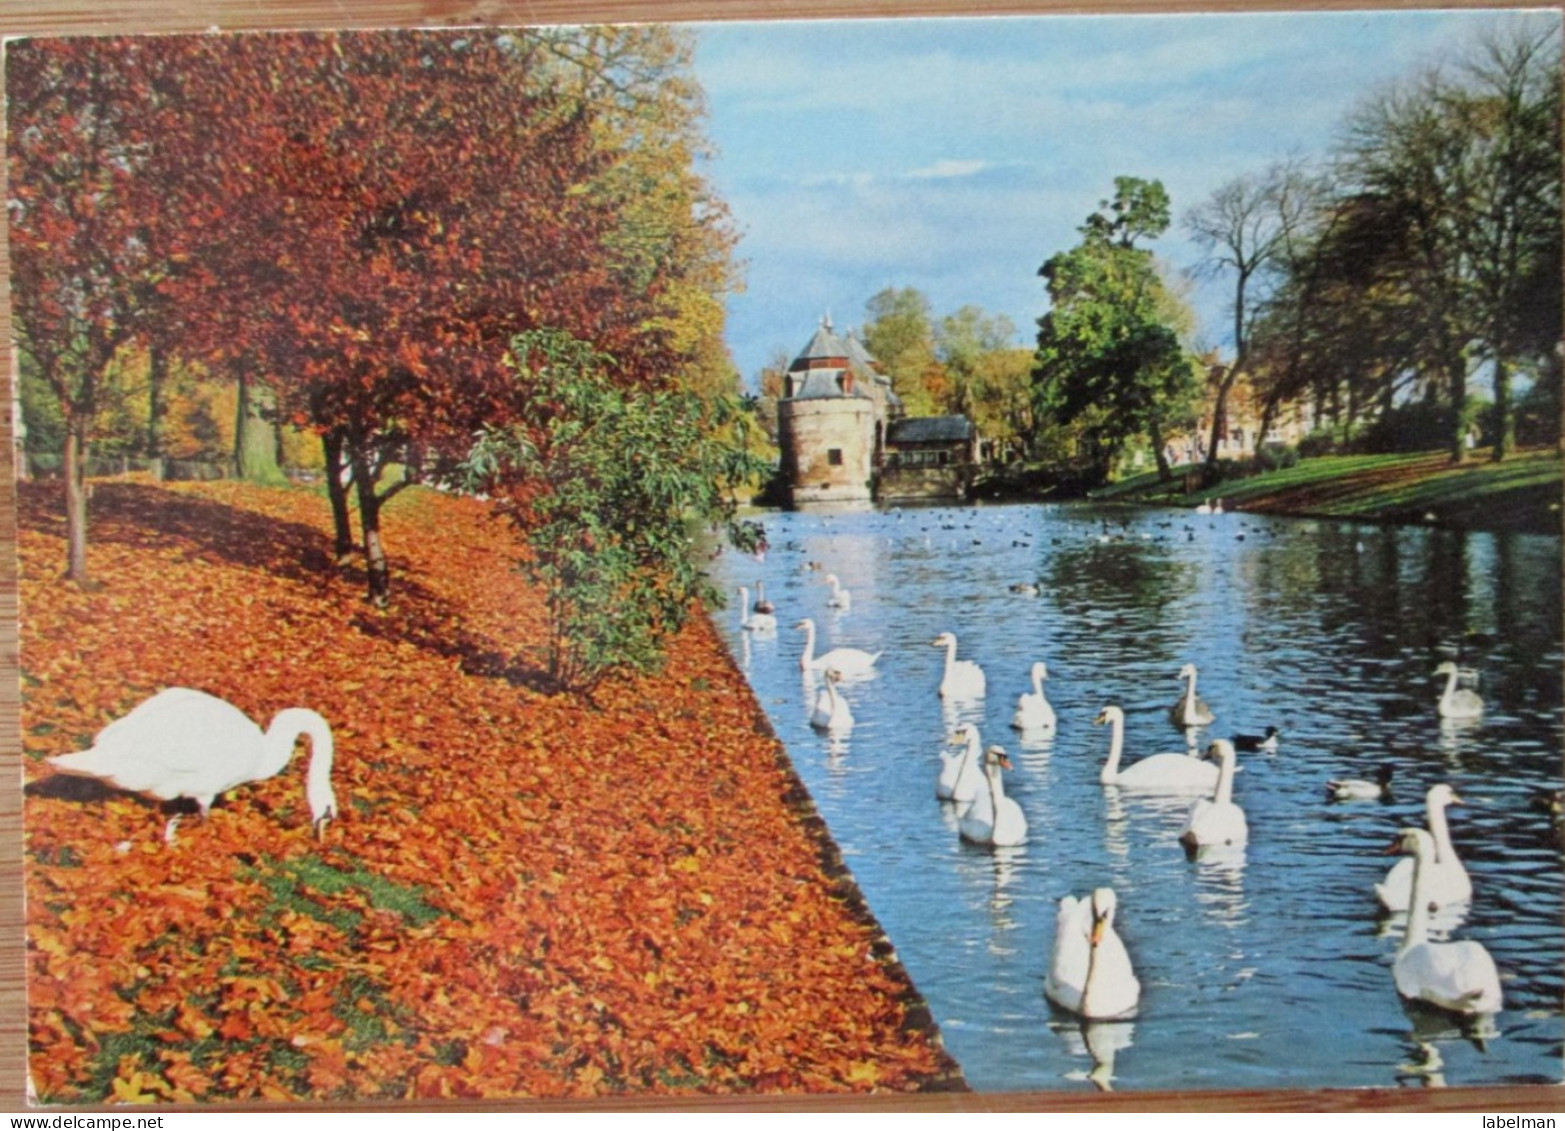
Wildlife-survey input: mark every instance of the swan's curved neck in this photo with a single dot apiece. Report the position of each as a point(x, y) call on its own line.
point(1116, 744)
point(1444, 849)
point(1037, 683)
point(950, 653)
point(1417, 906)
point(285, 728)
point(1225, 779)
point(809, 645)
point(1190, 688)
point(744, 606)
point(1448, 696)
point(996, 785)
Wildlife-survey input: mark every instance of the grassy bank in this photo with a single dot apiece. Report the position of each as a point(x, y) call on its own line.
point(1521, 493)
point(524, 895)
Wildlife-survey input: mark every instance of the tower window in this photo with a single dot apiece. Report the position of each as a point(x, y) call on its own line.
point(834, 456)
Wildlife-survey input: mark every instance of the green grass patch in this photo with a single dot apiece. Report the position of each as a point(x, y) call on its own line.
point(295, 884)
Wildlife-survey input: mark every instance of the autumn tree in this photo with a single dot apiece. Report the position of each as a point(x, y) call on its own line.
point(1108, 360)
point(87, 273)
point(393, 209)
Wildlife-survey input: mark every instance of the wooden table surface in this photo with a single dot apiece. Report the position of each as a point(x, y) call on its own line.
point(101, 17)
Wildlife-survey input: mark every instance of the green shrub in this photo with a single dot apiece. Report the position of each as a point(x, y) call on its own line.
point(602, 482)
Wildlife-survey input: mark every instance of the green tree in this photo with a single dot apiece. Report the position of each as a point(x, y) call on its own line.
point(602, 482)
point(900, 332)
point(1109, 362)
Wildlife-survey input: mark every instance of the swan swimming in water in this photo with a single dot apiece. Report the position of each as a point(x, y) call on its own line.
point(186, 743)
point(847, 661)
point(962, 774)
point(1216, 820)
point(1457, 702)
point(831, 710)
point(1455, 976)
point(1090, 973)
point(754, 622)
point(840, 598)
point(1033, 709)
point(1161, 773)
point(1191, 710)
point(961, 679)
point(1446, 882)
point(994, 818)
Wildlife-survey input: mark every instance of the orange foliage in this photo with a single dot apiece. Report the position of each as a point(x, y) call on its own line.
point(524, 894)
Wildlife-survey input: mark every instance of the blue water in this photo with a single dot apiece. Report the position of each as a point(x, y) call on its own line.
point(1270, 968)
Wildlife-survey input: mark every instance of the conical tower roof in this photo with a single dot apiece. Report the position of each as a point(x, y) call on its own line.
point(824, 346)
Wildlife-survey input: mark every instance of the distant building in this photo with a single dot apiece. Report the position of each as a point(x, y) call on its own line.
point(845, 437)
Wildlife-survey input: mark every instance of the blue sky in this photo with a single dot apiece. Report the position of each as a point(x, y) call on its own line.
point(956, 155)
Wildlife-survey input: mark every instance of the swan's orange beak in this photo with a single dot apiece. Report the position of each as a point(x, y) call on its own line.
point(1392, 849)
point(1005, 763)
point(1455, 800)
point(1097, 930)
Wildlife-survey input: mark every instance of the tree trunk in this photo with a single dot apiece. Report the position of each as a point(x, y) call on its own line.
point(1504, 425)
point(76, 500)
point(1219, 415)
point(369, 519)
point(1456, 373)
point(157, 409)
point(1164, 471)
point(255, 432)
point(1268, 416)
point(337, 492)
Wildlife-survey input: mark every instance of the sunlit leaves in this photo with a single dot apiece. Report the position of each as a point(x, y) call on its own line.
point(523, 895)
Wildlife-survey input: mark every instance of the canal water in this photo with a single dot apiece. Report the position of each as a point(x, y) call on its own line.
point(1267, 968)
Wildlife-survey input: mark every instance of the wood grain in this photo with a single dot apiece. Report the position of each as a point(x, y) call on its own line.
point(96, 17)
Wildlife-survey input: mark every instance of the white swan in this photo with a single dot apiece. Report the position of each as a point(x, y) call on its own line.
point(848, 661)
point(186, 743)
point(961, 775)
point(840, 598)
point(1456, 976)
point(1216, 820)
point(1457, 702)
point(1161, 773)
point(962, 679)
point(1033, 709)
point(1446, 882)
point(831, 710)
point(1351, 789)
point(754, 622)
point(994, 818)
point(1191, 710)
point(1090, 973)
point(762, 605)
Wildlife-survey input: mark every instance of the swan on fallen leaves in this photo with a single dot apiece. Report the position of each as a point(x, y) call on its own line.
point(993, 818)
point(960, 679)
point(1161, 773)
point(848, 661)
point(1446, 881)
point(1090, 973)
point(1033, 709)
point(1455, 976)
point(962, 773)
point(1457, 702)
point(1191, 710)
point(186, 743)
point(1216, 820)
point(831, 709)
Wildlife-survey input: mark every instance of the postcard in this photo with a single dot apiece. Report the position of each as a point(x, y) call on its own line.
point(1013, 555)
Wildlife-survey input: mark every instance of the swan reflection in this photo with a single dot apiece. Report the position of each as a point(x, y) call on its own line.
point(1099, 1040)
